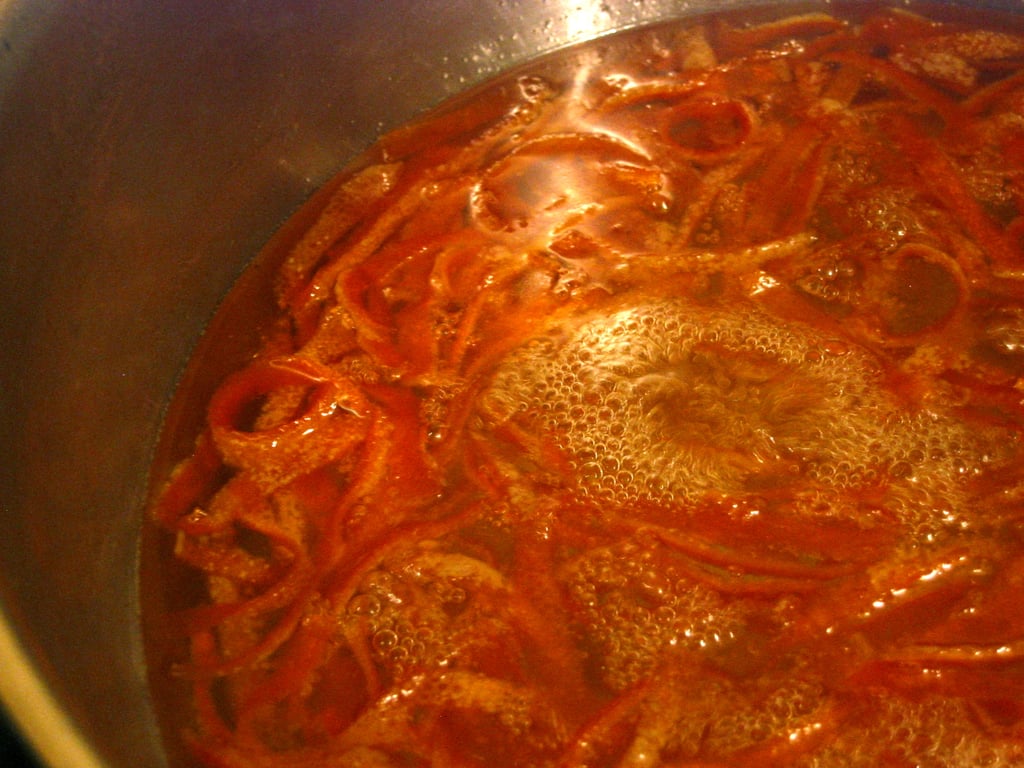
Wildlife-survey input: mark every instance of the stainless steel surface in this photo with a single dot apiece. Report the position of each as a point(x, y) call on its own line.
point(147, 150)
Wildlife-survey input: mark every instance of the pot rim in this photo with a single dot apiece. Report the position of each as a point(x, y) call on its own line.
point(43, 724)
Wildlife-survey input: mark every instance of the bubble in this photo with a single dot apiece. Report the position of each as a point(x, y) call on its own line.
point(384, 640)
point(535, 88)
point(364, 605)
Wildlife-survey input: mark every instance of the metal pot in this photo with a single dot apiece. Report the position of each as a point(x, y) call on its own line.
point(147, 151)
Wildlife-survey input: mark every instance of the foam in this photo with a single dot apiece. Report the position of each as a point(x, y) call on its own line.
point(667, 403)
point(932, 732)
point(635, 611)
point(413, 615)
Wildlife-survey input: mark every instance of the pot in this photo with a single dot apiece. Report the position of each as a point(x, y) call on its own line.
point(148, 150)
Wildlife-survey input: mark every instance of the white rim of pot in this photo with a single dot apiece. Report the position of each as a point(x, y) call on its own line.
point(41, 721)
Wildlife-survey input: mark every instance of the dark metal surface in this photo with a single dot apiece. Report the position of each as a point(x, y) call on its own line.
point(147, 151)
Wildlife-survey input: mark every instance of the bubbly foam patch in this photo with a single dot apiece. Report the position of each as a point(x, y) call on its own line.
point(930, 732)
point(667, 403)
point(635, 611)
point(423, 613)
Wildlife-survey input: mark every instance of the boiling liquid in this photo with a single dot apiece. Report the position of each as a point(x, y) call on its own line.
point(656, 406)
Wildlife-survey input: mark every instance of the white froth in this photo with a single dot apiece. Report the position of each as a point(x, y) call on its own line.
point(667, 403)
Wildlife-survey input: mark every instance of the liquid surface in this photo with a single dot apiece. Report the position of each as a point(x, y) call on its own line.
point(659, 405)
